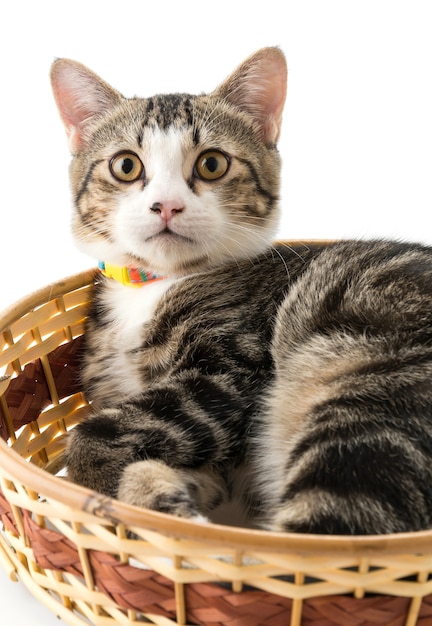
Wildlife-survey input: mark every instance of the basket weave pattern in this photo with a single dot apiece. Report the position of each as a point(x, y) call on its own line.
point(74, 551)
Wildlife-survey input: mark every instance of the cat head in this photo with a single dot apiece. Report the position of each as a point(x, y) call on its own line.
point(175, 183)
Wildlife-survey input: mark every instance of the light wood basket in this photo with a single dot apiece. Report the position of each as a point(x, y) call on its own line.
point(72, 549)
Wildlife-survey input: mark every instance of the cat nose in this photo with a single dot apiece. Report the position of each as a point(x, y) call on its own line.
point(167, 209)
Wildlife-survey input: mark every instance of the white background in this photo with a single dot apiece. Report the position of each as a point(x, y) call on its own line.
point(356, 141)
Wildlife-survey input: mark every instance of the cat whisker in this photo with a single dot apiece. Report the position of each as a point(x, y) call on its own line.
point(295, 251)
point(264, 240)
point(84, 234)
point(217, 242)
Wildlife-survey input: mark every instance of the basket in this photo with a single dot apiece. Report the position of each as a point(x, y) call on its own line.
point(93, 560)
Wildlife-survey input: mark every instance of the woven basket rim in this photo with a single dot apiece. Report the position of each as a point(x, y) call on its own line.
point(16, 310)
point(84, 499)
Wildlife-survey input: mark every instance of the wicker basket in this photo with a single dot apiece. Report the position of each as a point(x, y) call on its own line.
point(72, 549)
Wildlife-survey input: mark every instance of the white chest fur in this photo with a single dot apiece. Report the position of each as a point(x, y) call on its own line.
point(129, 308)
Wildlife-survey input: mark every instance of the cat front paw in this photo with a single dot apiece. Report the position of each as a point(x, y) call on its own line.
point(154, 485)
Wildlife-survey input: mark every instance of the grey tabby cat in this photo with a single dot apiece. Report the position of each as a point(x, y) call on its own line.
point(221, 365)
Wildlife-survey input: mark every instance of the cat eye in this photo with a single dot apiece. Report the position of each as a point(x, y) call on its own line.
point(211, 165)
point(126, 167)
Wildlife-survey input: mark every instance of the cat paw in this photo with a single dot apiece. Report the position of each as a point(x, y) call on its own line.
point(154, 485)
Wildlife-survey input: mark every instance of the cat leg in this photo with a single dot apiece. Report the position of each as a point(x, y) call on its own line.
point(184, 492)
point(344, 448)
point(121, 453)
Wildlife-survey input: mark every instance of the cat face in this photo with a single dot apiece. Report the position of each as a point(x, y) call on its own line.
point(174, 183)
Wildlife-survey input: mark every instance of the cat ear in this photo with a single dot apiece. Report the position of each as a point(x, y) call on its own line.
point(80, 96)
point(258, 87)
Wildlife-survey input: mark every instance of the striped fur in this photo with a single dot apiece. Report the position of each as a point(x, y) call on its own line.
point(296, 381)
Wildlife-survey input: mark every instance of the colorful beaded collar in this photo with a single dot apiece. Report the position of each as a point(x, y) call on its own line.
point(129, 276)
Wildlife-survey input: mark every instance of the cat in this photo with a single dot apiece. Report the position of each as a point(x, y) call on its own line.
point(221, 365)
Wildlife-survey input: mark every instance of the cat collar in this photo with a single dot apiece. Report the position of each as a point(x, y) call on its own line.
point(129, 276)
